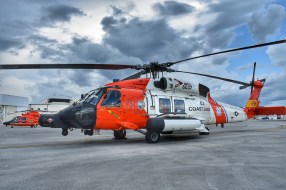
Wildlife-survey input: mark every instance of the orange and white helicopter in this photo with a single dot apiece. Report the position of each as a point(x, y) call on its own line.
point(27, 119)
point(151, 105)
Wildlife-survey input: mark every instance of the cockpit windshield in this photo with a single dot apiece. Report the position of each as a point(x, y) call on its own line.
point(91, 97)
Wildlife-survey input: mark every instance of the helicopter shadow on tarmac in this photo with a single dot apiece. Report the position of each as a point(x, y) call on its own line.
point(107, 141)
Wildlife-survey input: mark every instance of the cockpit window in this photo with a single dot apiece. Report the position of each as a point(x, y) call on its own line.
point(91, 97)
point(112, 99)
point(94, 97)
point(23, 119)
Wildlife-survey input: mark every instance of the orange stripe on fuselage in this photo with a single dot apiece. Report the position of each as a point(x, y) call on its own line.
point(218, 110)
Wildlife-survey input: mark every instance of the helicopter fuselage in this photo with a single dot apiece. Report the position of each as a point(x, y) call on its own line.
point(164, 106)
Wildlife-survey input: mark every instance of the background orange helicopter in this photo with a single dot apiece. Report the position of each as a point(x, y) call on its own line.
point(27, 119)
point(153, 105)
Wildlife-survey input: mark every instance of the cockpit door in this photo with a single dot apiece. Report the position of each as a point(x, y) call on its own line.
point(109, 110)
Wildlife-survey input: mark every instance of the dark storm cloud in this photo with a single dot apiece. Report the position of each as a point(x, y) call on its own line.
point(85, 49)
point(60, 13)
point(6, 43)
point(172, 8)
point(227, 15)
point(149, 40)
point(107, 22)
point(47, 48)
point(230, 14)
point(13, 34)
point(266, 23)
point(38, 39)
point(117, 11)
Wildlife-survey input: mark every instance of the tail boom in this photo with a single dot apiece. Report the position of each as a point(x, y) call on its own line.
point(253, 109)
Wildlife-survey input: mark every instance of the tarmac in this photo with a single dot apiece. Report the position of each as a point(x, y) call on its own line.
point(241, 156)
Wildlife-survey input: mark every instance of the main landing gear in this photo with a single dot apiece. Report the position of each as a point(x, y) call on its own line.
point(152, 137)
point(120, 134)
point(88, 132)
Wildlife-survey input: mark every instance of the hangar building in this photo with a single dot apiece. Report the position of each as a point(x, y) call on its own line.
point(51, 105)
point(10, 104)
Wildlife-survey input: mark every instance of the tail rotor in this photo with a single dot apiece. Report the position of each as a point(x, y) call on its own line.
point(252, 82)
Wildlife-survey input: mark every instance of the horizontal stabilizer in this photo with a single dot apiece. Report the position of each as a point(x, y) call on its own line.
point(276, 110)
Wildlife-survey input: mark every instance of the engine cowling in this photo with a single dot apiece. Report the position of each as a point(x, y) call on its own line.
point(178, 85)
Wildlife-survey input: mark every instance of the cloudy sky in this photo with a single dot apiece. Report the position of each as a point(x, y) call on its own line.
point(139, 32)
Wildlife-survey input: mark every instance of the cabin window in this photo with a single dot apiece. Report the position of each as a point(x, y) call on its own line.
point(23, 119)
point(179, 106)
point(164, 105)
point(112, 99)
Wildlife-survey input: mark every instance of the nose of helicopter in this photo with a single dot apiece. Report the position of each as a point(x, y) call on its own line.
point(78, 116)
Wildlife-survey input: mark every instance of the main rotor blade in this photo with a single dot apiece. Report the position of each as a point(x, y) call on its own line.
point(215, 77)
point(67, 66)
point(230, 50)
point(134, 76)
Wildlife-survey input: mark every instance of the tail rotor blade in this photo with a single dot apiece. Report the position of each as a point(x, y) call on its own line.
point(243, 87)
point(253, 76)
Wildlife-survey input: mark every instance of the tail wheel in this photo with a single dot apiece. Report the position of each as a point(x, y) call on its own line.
point(121, 134)
point(152, 137)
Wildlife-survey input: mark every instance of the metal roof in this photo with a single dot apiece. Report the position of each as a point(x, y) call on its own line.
point(11, 100)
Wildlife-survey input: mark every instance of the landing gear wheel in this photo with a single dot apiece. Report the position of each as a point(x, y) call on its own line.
point(152, 137)
point(85, 132)
point(204, 133)
point(65, 132)
point(121, 134)
point(90, 132)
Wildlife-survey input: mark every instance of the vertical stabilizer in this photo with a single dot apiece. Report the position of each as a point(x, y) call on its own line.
point(253, 101)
